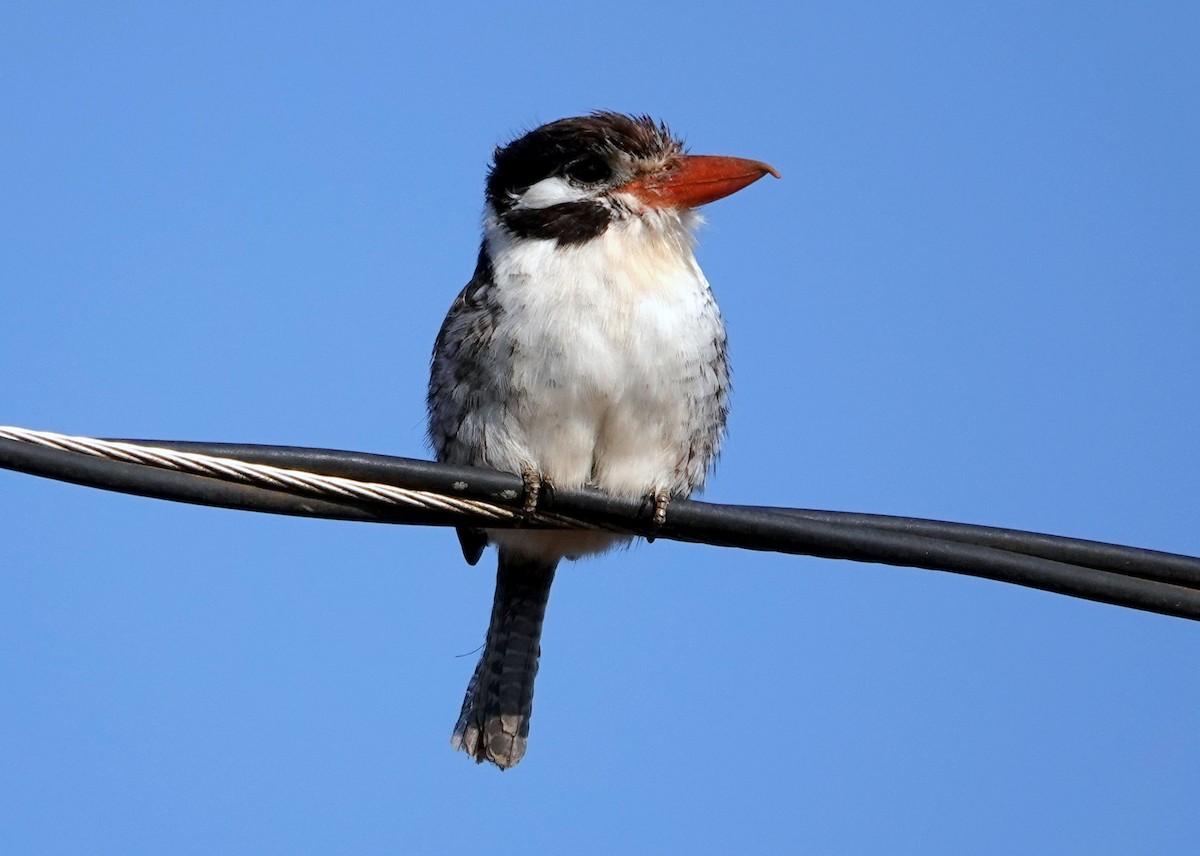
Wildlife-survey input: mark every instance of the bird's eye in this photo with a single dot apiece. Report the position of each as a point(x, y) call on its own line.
point(589, 170)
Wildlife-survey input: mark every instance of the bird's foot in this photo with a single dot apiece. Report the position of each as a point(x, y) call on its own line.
point(538, 490)
point(659, 499)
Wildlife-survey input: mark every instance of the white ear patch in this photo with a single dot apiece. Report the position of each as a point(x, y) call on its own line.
point(554, 190)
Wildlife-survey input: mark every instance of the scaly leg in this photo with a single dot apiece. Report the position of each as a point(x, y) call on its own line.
point(661, 500)
point(533, 489)
point(539, 490)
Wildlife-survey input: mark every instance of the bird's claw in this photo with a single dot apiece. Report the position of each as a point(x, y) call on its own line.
point(537, 488)
point(533, 489)
point(660, 499)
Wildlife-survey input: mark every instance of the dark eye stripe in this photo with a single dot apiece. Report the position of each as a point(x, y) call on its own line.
point(567, 223)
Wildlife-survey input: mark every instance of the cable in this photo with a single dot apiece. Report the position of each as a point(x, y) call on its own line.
point(447, 495)
point(489, 484)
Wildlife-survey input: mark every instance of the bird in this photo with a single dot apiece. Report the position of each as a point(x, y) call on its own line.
point(586, 350)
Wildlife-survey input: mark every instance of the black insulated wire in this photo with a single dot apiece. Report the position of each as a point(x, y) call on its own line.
point(1149, 580)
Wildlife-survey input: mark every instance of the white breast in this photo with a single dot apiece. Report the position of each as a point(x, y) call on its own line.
point(612, 345)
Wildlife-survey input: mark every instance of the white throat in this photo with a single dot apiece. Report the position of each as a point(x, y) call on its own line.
point(639, 253)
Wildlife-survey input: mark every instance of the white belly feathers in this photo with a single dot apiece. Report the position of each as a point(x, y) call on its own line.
point(609, 341)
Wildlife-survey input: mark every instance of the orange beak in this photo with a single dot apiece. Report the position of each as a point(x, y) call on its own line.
point(695, 180)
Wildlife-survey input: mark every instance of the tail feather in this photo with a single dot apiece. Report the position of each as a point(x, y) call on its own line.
point(494, 722)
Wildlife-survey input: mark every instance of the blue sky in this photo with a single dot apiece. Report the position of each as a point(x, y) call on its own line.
point(974, 296)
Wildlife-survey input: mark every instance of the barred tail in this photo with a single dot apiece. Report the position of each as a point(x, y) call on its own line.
point(494, 722)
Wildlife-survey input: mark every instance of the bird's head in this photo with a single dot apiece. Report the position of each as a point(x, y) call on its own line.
point(571, 179)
